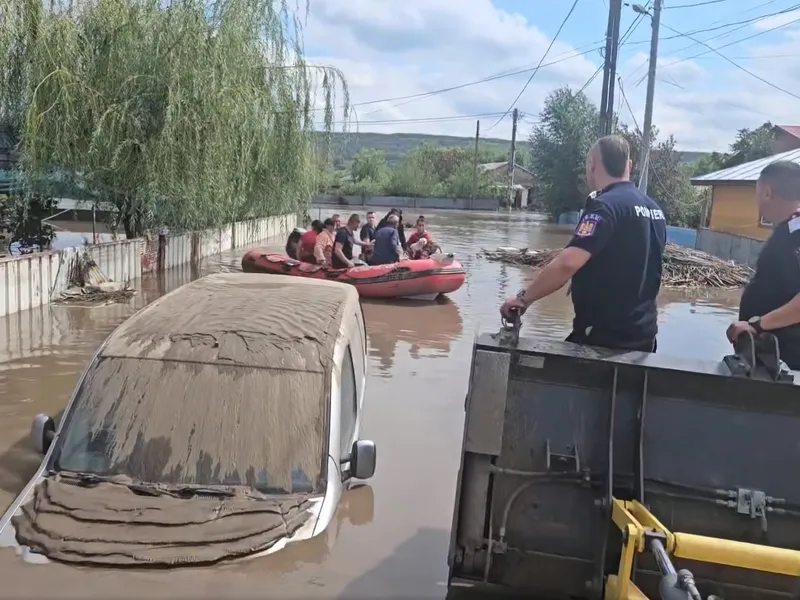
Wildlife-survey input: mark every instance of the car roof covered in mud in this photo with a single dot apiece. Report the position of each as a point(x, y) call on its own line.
point(240, 319)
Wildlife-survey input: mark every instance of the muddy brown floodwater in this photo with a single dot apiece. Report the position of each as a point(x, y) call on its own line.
point(390, 538)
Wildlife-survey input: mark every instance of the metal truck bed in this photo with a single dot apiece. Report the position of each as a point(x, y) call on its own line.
point(579, 463)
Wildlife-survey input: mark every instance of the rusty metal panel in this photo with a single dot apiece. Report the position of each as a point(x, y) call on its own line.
point(487, 402)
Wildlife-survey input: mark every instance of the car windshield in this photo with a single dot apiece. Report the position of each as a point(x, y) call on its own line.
point(180, 423)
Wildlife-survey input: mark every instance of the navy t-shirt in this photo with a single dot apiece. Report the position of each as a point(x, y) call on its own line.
point(775, 282)
point(615, 292)
point(344, 237)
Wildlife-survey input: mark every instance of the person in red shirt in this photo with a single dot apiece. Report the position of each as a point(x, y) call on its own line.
point(420, 243)
point(308, 241)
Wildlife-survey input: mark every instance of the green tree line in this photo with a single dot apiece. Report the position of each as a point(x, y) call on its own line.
point(428, 171)
point(568, 127)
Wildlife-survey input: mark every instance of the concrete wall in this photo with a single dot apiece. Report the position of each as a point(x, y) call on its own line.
point(738, 248)
point(34, 280)
point(356, 202)
point(194, 246)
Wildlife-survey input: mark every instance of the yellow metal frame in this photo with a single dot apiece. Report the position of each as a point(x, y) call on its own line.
point(635, 521)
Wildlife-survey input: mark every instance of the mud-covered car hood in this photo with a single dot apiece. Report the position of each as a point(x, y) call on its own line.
point(112, 522)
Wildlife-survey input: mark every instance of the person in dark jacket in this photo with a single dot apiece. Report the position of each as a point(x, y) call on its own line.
point(387, 248)
point(401, 233)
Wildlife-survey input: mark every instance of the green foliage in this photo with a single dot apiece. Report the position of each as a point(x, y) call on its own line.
point(21, 218)
point(749, 145)
point(369, 165)
point(558, 147)
point(396, 146)
point(752, 144)
point(189, 115)
point(668, 182)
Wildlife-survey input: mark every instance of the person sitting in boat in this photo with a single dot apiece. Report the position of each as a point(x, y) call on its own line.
point(342, 257)
point(387, 249)
point(293, 244)
point(420, 243)
point(308, 240)
point(323, 247)
point(367, 234)
point(401, 232)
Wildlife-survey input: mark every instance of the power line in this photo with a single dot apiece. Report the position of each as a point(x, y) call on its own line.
point(536, 70)
point(737, 24)
point(440, 119)
point(494, 77)
point(710, 50)
point(697, 4)
point(738, 66)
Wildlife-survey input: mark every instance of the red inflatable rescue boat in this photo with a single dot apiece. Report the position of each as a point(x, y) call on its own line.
point(425, 278)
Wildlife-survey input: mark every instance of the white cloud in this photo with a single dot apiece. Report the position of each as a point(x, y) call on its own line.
point(399, 49)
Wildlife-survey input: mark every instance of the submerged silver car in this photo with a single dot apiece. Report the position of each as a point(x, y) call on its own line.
point(221, 421)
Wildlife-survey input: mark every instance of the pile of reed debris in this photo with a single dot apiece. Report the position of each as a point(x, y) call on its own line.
point(683, 267)
point(89, 286)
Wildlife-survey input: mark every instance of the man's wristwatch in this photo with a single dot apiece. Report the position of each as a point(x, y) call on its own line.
point(755, 323)
point(521, 297)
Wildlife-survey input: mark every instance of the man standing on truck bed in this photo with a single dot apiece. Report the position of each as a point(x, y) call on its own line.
point(614, 259)
point(771, 301)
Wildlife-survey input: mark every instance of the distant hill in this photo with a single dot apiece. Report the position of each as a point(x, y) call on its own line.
point(692, 157)
point(397, 145)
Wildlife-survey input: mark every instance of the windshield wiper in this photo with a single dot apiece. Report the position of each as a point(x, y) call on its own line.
point(185, 491)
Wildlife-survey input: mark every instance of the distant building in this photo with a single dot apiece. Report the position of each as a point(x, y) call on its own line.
point(733, 207)
point(787, 137)
point(524, 181)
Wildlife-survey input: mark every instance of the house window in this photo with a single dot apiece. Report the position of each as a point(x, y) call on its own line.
point(348, 403)
point(763, 222)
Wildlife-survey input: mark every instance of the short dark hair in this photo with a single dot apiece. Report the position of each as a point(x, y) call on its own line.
point(370, 212)
point(354, 218)
point(615, 152)
point(783, 177)
point(329, 222)
point(317, 225)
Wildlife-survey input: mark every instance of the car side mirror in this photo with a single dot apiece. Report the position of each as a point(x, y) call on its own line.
point(43, 430)
point(362, 459)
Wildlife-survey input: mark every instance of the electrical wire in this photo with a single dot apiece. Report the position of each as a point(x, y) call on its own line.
point(710, 50)
point(546, 52)
point(440, 119)
point(739, 41)
point(500, 75)
point(738, 66)
point(716, 26)
point(697, 4)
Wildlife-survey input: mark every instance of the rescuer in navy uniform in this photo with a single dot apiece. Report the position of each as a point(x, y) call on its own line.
point(771, 301)
point(614, 259)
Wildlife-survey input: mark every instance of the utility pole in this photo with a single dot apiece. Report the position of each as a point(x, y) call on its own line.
point(610, 67)
point(512, 158)
point(644, 157)
point(475, 158)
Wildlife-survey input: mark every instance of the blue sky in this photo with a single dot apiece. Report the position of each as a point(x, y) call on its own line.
point(390, 50)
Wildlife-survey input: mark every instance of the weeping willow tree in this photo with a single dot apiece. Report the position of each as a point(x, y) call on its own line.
point(186, 113)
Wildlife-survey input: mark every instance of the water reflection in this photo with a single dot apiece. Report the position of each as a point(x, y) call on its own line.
point(428, 329)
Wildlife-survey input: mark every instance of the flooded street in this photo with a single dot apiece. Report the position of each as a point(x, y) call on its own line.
point(390, 539)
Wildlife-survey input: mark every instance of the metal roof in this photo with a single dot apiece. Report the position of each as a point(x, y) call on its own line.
point(492, 166)
point(747, 172)
point(790, 129)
